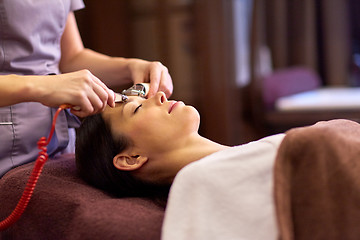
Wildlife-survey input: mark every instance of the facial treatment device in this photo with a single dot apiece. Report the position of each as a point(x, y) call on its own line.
point(140, 89)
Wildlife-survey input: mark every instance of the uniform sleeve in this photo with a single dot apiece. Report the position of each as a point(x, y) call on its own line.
point(76, 5)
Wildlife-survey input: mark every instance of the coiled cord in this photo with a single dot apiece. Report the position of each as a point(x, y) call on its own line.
point(30, 186)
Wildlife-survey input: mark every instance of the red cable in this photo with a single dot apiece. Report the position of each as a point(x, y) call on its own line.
point(30, 186)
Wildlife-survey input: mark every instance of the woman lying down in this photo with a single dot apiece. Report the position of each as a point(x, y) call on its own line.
point(143, 146)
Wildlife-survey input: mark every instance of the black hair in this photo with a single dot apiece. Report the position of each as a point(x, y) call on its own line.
point(95, 149)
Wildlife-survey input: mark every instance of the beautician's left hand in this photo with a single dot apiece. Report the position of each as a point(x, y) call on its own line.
point(154, 72)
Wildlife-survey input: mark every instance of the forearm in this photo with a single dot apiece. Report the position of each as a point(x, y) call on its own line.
point(16, 89)
point(80, 88)
point(112, 71)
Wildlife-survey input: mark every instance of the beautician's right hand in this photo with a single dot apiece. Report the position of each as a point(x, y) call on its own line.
point(81, 89)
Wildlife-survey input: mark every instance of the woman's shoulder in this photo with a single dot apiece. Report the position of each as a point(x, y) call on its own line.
point(252, 156)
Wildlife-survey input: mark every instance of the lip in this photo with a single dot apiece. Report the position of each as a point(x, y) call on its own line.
point(172, 106)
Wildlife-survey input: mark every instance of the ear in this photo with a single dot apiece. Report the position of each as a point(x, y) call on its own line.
point(125, 162)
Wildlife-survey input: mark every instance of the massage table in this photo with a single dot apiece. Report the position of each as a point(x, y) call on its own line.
point(64, 207)
point(316, 194)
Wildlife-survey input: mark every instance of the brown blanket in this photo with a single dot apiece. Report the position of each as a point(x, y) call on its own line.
point(64, 207)
point(317, 182)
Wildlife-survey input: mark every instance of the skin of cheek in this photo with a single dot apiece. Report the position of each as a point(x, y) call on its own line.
point(161, 133)
point(150, 135)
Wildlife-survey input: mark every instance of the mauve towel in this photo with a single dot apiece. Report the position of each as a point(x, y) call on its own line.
point(317, 182)
point(64, 207)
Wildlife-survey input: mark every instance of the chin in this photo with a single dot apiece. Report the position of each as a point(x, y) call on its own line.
point(194, 118)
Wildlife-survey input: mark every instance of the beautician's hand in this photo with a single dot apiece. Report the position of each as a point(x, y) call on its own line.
point(81, 89)
point(153, 72)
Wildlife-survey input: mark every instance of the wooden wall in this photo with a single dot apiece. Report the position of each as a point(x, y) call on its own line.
point(193, 38)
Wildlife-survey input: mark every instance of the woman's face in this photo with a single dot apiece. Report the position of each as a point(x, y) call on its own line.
point(153, 124)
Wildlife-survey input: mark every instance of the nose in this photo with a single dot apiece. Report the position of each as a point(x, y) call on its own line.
point(160, 98)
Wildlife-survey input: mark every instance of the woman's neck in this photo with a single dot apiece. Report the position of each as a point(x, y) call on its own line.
point(199, 147)
point(191, 150)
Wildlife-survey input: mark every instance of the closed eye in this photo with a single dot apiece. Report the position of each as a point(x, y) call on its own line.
point(137, 108)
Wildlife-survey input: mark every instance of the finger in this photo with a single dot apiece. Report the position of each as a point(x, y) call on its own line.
point(98, 98)
point(110, 99)
point(92, 105)
point(155, 76)
point(139, 77)
point(92, 100)
point(166, 84)
point(84, 108)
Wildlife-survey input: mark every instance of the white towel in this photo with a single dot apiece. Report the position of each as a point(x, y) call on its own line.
point(226, 195)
